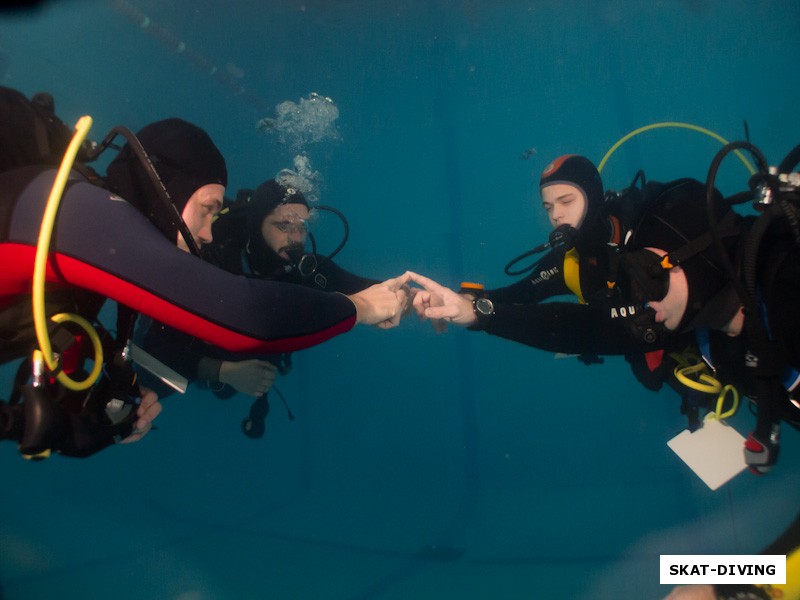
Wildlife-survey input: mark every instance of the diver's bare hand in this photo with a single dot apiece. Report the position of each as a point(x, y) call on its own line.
point(149, 408)
point(252, 377)
point(434, 301)
point(381, 304)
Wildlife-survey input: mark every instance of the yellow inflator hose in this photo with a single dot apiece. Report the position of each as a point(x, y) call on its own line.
point(40, 268)
point(673, 124)
point(693, 372)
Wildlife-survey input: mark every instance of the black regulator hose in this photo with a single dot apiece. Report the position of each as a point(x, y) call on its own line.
point(790, 201)
point(746, 295)
point(768, 362)
point(562, 239)
point(789, 163)
point(507, 270)
point(306, 264)
point(752, 242)
point(345, 224)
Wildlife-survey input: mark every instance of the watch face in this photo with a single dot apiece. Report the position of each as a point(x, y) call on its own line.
point(484, 306)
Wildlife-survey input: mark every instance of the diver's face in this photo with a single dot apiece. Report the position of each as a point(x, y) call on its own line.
point(671, 308)
point(284, 227)
point(564, 204)
point(199, 213)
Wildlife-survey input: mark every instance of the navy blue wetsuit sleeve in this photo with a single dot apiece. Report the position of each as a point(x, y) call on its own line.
point(596, 328)
point(102, 244)
point(196, 360)
point(338, 280)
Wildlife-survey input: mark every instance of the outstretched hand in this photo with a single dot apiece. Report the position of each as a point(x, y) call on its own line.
point(441, 304)
point(382, 304)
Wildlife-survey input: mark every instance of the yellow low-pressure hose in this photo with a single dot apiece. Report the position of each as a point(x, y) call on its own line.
point(678, 125)
point(40, 270)
point(704, 382)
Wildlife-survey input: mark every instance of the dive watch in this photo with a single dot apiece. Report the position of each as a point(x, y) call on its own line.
point(483, 308)
point(481, 305)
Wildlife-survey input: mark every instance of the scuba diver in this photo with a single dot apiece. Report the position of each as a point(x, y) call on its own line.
point(262, 235)
point(675, 278)
point(139, 251)
point(589, 228)
point(585, 234)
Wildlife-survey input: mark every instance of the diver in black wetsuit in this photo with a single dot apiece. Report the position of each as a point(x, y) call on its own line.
point(586, 266)
point(262, 235)
point(610, 314)
point(574, 200)
point(107, 246)
point(589, 228)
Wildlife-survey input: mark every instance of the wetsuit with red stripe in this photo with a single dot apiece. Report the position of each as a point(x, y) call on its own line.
point(102, 244)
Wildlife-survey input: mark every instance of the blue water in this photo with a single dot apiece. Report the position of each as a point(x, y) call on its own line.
point(419, 466)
